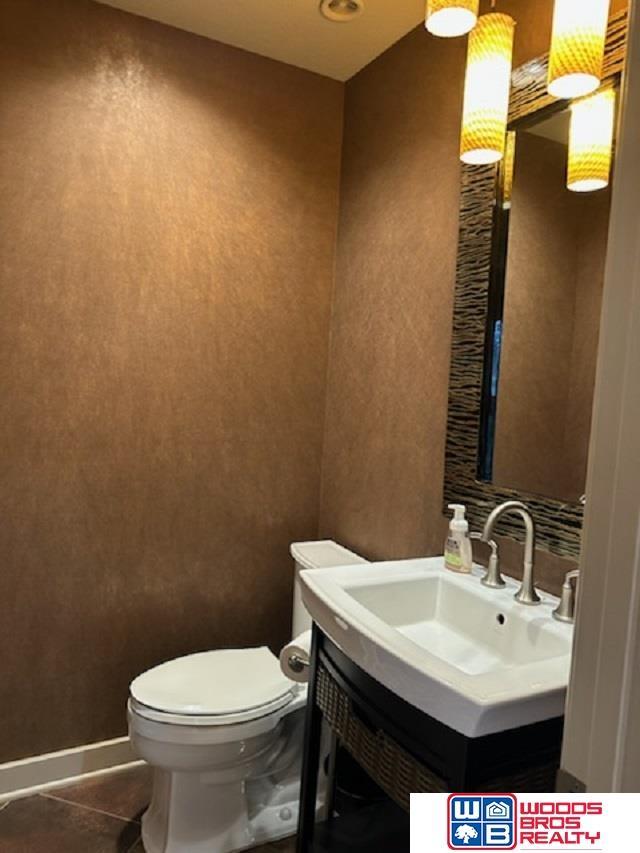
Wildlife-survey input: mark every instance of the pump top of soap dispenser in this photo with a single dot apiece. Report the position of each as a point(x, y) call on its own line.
point(459, 521)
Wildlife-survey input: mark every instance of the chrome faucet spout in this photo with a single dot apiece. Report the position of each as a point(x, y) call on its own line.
point(527, 593)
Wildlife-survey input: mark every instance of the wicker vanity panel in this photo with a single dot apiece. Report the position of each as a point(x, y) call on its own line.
point(397, 772)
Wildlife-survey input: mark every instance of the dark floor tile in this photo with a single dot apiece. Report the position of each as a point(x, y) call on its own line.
point(287, 845)
point(43, 825)
point(124, 794)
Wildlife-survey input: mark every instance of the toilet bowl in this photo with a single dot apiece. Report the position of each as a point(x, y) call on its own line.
point(223, 731)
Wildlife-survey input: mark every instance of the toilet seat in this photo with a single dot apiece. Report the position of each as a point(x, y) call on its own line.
point(218, 688)
point(205, 720)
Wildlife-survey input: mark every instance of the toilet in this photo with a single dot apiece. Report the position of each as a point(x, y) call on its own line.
point(223, 731)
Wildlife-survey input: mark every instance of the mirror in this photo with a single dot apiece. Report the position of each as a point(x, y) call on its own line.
point(526, 311)
point(545, 295)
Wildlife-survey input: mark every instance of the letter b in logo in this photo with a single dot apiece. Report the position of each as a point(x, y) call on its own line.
point(497, 835)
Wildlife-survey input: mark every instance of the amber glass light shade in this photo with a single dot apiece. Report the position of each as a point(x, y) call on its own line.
point(508, 168)
point(486, 90)
point(449, 18)
point(591, 142)
point(577, 47)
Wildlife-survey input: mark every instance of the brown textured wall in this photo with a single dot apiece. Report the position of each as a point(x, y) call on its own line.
point(391, 332)
point(593, 236)
point(553, 287)
point(391, 328)
point(167, 225)
point(539, 308)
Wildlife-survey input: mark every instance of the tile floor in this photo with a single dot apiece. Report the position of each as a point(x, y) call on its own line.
point(98, 816)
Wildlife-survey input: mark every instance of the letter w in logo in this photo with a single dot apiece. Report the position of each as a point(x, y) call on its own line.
point(466, 809)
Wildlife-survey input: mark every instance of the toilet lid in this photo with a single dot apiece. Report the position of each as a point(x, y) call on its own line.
point(227, 681)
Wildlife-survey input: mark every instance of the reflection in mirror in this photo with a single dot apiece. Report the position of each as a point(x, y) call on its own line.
point(543, 320)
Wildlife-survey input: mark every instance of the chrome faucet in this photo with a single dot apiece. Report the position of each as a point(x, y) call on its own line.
point(566, 610)
point(527, 593)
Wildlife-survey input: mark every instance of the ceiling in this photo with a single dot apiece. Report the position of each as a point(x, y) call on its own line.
point(291, 31)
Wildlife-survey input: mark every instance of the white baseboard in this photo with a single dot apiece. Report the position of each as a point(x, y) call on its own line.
point(45, 772)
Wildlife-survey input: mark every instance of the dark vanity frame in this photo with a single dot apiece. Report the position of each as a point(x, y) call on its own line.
point(559, 524)
point(403, 751)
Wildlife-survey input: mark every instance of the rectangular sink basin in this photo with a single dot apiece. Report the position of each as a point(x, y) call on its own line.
point(469, 656)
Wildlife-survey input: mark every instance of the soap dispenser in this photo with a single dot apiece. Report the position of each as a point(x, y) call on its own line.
point(457, 549)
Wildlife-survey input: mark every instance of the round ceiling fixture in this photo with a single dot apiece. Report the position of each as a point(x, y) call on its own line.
point(341, 11)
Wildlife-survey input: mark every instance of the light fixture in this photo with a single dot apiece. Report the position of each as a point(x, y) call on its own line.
point(508, 169)
point(341, 11)
point(449, 18)
point(577, 47)
point(591, 142)
point(486, 89)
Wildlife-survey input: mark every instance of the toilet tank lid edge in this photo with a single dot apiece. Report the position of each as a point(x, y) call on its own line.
point(323, 554)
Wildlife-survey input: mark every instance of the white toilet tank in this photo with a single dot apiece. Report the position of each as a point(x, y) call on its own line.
point(324, 554)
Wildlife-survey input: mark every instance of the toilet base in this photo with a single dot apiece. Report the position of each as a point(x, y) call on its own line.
point(273, 808)
point(187, 816)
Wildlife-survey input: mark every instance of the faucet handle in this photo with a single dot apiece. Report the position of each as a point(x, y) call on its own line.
point(566, 610)
point(493, 579)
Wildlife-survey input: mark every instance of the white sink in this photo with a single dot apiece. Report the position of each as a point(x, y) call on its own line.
point(469, 656)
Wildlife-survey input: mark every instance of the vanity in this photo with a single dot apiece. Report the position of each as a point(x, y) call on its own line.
point(427, 681)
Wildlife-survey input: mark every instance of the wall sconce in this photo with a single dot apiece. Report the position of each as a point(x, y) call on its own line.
point(508, 169)
point(577, 47)
point(591, 142)
point(449, 18)
point(486, 90)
